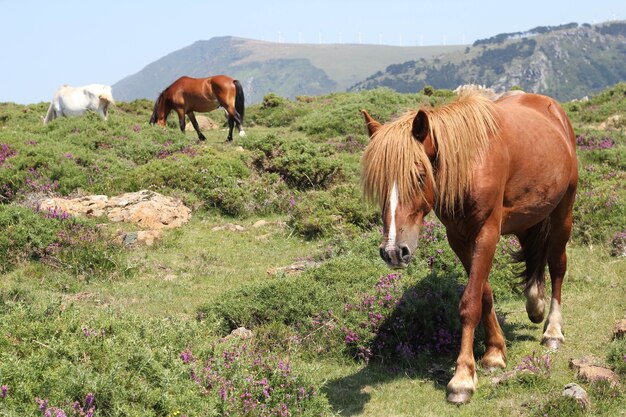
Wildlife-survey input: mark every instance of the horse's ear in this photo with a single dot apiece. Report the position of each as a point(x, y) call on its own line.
point(420, 127)
point(372, 125)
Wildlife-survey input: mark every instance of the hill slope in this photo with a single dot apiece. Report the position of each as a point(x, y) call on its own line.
point(566, 62)
point(286, 69)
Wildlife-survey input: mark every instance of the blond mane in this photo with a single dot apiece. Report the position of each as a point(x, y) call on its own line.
point(461, 130)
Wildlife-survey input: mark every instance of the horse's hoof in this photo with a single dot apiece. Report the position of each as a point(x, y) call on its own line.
point(493, 361)
point(551, 343)
point(202, 138)
point(242, 134)
point(462, 397)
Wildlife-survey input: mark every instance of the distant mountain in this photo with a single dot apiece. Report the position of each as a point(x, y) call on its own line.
point(566, 62)
point(286, 69)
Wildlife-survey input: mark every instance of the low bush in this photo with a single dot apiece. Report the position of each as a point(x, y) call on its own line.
point(59, 240)
point(300, 163)
point(243, 380)
point(339, 210)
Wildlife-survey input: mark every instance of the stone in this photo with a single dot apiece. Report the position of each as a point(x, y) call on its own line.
point(242, 333)
point(203, 122)
point(146, 209)
point(150, 211)
point(620, 329)
point(576, 392)
point(230, 227)
point(239, 333)
point(292, 269)
point(587, 369)
point(260, 223)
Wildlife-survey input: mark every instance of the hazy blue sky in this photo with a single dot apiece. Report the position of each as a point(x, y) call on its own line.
point(49, 43)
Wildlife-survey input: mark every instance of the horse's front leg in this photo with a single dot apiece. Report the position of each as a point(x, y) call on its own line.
point(480, 257)
point(194, 122)
point(181, 119)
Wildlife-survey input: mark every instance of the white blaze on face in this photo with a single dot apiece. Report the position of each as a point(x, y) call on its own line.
point(393, 206)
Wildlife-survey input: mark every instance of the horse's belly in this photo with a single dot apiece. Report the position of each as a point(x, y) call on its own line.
point(529, 209)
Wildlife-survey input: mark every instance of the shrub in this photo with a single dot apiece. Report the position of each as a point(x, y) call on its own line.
point(301, 164)
point(290, 301)
point(616, 357)
point(57, 239)
point(397, 319)
point(245, 381)
point(322, 213)
point(276, 111)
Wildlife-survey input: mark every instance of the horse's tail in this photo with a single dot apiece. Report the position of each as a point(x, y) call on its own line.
point(155, 112)
point(50, 115)
point(239, 100)
point(534, 253)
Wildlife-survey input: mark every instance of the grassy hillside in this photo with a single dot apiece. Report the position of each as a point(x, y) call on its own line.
point(565, 62)
point(88, 326)
point(286, 69)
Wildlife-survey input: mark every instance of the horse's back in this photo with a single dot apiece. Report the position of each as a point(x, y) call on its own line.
point(536, 119)
point(73, 101)
point(540, 157)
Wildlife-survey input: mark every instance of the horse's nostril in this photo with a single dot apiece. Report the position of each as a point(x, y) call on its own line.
point(383, 254)
point(405, 252)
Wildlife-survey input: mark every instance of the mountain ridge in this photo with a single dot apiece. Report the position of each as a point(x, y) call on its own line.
point(565, 62)
point(283, 68)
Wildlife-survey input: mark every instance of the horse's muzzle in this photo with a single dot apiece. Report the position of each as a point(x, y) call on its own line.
point(396, 256)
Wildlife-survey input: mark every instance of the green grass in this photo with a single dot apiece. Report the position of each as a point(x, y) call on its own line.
point(113, 321)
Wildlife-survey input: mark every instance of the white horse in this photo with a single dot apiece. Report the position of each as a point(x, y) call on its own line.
point(74, 101)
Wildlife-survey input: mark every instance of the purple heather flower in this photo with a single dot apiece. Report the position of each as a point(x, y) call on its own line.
point(186, 356)
point(89, 398)
point(4, 391)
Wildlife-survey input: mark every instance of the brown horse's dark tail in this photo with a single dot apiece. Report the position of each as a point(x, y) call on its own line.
point(239, 101)
point(157, 104)
point(534, 253)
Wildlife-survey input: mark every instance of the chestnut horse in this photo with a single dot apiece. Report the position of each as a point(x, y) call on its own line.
point(486, 169)
point(186, 95)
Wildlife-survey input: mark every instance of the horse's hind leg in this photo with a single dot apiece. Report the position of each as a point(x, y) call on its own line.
point(557, 265)
point(234, 117)
point(194, 122)
point(231, 124)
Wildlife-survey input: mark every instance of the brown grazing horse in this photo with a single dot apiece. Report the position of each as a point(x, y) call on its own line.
point(486, 169)
point(187, 95)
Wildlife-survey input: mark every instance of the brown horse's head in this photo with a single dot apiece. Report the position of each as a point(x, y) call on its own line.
point(159, 113)
point(397, 167)
point(397, 174)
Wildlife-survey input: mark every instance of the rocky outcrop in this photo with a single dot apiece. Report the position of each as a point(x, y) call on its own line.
point(203, 122)
point(149, 211)
point(589, 369)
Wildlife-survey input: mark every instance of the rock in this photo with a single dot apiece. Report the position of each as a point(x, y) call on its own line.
point(576, 392)
point(230, 227)
point(150, 211)
point(260, 223)
point(142, 237)
point(613, 122)
point(239, 333)
point(587, 370)
point(620, 329)
point(146, 209)
point(292, 269)
point(203, 122)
